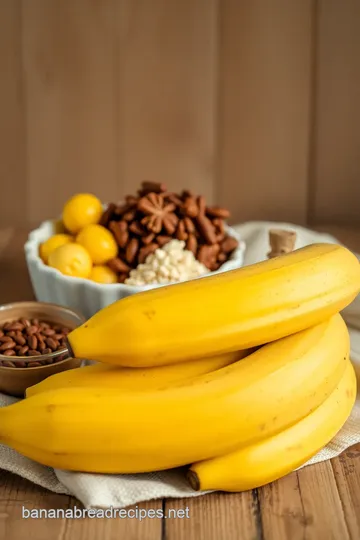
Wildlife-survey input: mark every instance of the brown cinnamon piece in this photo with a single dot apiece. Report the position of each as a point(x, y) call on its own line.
point(132, 250)
point(206, 229)
point(181, 233)
point(190, 207)
point(136, 228)
point(152, 187)
point(148, 239)
point(219, 229)
point(217, 212)
point(120, 232)
point(281, 242)
point(229, 244)
point(130, 215)
point(162, 240)
point(121, 278)
point(192, 244)
point(187, 193)
point(120, 210)
point(207, 255)
point(201, 204)
point(106, 217)
point(118, 265)
point(147, 250)
point(173, 198)
point(189, 225)
point(131, 201)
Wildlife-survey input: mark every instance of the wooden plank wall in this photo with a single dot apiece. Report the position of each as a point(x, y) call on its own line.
point(254, 104)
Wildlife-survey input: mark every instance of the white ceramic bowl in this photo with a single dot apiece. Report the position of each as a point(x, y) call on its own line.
point(83, 295)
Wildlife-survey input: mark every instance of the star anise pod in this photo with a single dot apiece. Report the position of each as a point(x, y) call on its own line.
point(158, 214)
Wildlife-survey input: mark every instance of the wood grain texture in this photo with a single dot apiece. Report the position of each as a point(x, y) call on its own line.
point(305, 504)
point(214, 517)
point(16, 493)
point(253, 104)
point(347, 475)
point(13, 181)
point(336, 182)
point(167, 106)
point(14, 277)
point(282, 513)
point(69, 59)
point(5, 238)
point(263, 138)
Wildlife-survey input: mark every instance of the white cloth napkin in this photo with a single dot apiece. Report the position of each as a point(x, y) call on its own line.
point(96, 490)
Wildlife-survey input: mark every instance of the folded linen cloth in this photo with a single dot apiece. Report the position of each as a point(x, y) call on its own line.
point(102, 491)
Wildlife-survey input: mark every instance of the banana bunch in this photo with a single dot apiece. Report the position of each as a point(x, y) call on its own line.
point(108, 376)
point(245, 375)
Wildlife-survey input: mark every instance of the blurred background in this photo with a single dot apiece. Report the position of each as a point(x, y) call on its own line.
point(254, 104)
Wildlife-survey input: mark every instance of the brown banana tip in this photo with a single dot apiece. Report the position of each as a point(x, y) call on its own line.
point(69, 349)
point(193, 480)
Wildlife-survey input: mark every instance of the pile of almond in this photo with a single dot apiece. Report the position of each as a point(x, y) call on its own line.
point(155, 216)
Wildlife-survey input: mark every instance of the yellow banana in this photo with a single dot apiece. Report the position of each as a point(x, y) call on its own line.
point(107, 431)
point(106, 376)
point(270, 459)
point(231, 311)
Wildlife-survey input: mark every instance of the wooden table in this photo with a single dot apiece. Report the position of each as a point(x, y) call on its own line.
point(321, 502)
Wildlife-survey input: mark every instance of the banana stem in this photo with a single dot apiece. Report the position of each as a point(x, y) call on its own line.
point(69, 349)
point(193, 480)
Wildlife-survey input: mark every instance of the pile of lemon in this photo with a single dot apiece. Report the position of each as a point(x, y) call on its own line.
point(85, 247)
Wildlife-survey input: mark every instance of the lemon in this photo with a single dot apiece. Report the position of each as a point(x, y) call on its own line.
point(103, 274)
point(71, 260)
point(99, 242)
point(52, 243)
point(81, 210)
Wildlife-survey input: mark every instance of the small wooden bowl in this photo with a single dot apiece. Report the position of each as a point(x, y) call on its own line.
point(15, 380)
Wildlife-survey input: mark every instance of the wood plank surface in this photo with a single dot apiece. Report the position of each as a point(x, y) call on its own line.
point(210, 516)
point(347, 476)
point(305, 504)
point(13, 180)
point(16, 494)
point(282, 512)
point(336, 186)
point(117, 92)
point(167, 81)
point(71, 123)
point(264, 109)
point(15, 284)
point(253, 104)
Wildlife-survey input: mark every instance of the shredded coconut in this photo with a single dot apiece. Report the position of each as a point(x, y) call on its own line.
point(171, 263)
